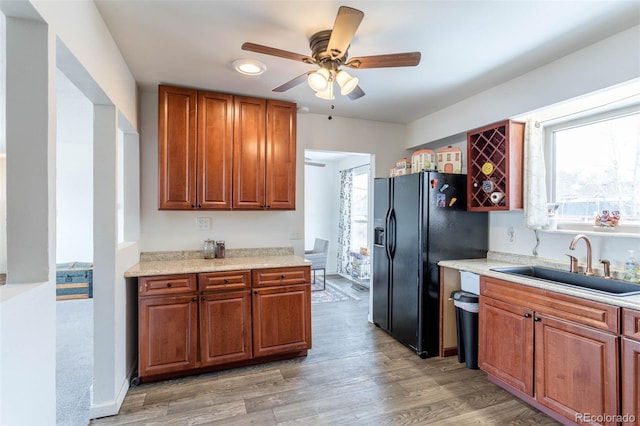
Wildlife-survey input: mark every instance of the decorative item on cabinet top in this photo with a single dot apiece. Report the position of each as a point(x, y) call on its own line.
point(423, 160)
point(449, 160)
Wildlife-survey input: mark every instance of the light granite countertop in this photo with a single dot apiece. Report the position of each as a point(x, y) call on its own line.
point(484, 266)
point(192, 261)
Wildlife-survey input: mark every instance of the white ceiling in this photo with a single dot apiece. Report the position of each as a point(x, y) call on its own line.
point(467, 46)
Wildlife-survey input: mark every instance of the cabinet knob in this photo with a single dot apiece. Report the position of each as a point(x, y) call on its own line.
point(268, 206)
point(527, 315)
point(168, 284)
point(193, 299)
point(226, 281)
point(193, 206)
point(283, 276)
point(537, 319)
point(202, 298)
point(255, 291)
point(199, 205)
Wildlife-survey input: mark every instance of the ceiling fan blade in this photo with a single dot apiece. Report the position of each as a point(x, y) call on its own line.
point(293, 82)
point(408, 59)
point(344, 28)
point(266, 50)
point(356, 93)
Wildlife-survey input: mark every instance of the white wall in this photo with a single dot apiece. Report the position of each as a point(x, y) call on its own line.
point(605, 64)
point(72, 36)
point(176, 230)
point(74, 170)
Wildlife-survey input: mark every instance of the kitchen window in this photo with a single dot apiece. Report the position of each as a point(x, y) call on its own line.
point(594, 165)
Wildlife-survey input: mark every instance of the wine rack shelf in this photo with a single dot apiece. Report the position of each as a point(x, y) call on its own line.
point(494, 155)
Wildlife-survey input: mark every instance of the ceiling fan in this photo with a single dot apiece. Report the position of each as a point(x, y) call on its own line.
point(329, 51)
point(309, 162)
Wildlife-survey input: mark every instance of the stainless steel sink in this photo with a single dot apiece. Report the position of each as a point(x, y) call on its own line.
point(592, 283)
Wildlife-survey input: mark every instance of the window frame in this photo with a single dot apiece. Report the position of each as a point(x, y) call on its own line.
point(572, 121)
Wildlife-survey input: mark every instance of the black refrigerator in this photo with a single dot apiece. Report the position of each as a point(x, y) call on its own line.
point(419, 220)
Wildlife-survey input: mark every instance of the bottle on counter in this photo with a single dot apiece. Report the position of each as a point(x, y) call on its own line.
point(631, 269)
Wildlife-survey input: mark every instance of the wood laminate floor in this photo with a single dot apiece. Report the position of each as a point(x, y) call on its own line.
point(355, 374)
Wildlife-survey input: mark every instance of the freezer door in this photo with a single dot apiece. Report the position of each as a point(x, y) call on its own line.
point(381, 268)
point(407, 262)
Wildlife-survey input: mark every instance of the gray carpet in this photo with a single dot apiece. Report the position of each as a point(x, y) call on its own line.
point(74, 361)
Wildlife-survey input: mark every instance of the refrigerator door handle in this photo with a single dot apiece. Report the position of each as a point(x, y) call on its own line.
point(391, 245)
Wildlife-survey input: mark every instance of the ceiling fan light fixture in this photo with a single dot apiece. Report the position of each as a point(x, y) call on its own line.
point(319, 80)
point(346, 82)
point(249, 66)
point(326, 93)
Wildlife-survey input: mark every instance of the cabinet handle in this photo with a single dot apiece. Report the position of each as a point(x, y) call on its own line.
point(537, 319)
point(268, 206)
point(169, 285)
point(527, 315)
point(255, 291)
point(283, 276)
point(202, 298)
point(193, 206)
point(193, 299)
point(226, 281)
point(199, 205)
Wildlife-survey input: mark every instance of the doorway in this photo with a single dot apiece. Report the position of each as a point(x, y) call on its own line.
point(337, 208)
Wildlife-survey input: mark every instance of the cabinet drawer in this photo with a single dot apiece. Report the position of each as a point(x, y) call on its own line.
point(582, 311)
point(228, 280)
point(167, 284)
point(631, 323)
point(281, 276)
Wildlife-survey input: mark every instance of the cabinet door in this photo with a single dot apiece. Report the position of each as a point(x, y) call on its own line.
point(176, 148)
point(505, 343)
point(576, 368)
point(225, 327)
point(249, 153)
point(630, 382)
point(167, 334)
point(215, 150)
point(281, 319)
point(281, 156)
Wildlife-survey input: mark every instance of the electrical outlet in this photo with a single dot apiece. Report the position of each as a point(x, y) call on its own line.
point(203, 223)
point(511, 233)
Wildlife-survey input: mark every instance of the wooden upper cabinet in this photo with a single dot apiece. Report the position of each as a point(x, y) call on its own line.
point(176, 148)
point(221, 152)
point(281, 155)
point(215, 150)
point(249, 153)
point(495, 164)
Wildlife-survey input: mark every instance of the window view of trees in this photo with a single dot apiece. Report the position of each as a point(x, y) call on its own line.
point(597, 168)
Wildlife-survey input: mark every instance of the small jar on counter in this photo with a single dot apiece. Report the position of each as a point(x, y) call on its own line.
point(220, 249)
point(209, 249)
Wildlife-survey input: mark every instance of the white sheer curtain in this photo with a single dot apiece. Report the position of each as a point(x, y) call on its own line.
point(535, 191)
point(344, 226)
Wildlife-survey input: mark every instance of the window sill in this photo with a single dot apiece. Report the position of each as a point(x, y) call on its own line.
point(590, 230)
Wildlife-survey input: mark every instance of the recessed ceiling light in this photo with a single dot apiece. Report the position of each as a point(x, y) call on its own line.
point(249, 66)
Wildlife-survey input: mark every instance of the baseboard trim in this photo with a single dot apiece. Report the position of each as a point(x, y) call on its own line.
point(109, 408)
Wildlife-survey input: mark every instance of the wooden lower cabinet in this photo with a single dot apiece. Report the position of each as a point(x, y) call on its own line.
point(505, 343)
point(563, 367)
point(630, 382)
point(168, 334)
point(281, 319)
point(630, 367)
point(225, 327)
point(194, 321)
point(576, 368)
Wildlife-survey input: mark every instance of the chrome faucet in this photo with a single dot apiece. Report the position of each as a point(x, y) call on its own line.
point(572, 246)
